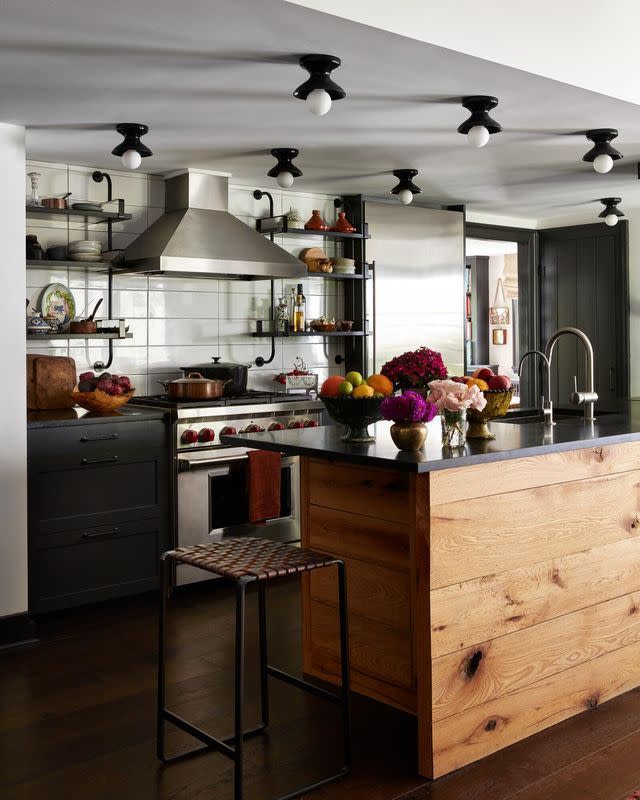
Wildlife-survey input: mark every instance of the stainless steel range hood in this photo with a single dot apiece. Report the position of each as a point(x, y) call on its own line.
point(197, 236)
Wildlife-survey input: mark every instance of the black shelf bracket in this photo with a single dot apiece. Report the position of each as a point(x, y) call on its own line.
point(98, 177)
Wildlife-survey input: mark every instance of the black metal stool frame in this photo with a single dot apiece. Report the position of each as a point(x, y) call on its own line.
point(233, 746)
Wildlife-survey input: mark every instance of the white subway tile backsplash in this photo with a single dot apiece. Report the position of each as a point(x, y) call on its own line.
point(183, 305)
point(179, 321)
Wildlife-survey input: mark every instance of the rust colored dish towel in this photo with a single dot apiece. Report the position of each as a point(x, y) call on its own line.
point(263, 483)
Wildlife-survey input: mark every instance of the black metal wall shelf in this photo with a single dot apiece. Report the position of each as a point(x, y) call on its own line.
point(326, 234)
point(43, 337)
point(40, 212)
point(94, 266)
point(317, 334)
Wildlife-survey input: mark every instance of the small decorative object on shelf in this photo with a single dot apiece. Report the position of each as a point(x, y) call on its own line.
point(409, 412)
point(33, 199)
point(453, 398)
point(315, 222)
point(34, 248)
point(293, 218)
point(299, 379)
point(415, 369)
point(342, 224)
point(281, 315)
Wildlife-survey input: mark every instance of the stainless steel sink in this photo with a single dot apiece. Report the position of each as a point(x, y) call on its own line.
point(531, 416)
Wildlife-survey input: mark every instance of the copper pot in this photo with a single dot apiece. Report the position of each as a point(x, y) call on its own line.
point(194, 387)
point(56, 202)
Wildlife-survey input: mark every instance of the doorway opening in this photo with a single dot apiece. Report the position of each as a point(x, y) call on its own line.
point(492, 334)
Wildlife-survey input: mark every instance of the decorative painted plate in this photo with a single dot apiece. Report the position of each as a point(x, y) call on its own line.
point(57, 301)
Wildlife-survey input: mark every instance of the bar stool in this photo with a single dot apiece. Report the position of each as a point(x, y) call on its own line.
point(244, 561)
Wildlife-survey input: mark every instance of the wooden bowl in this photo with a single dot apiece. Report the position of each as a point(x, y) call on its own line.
point(319, 327)
point(101, 402)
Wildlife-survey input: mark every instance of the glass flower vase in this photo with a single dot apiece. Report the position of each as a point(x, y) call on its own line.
point(454, 427)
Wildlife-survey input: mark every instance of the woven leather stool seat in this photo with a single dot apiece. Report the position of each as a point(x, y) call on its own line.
point(259, 559)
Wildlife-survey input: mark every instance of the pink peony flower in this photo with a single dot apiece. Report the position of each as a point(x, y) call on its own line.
point(454, 396)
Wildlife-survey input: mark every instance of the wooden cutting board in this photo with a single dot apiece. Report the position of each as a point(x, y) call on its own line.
point(311, 256)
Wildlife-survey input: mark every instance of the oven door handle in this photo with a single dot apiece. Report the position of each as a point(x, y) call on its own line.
point(186, 464)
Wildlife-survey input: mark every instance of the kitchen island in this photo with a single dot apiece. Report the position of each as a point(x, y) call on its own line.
point(494, 591)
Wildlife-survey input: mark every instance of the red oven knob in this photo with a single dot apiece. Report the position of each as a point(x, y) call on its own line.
point(296, 423)
point(206, 435)
point(189, 436)
point(276, 426)
point(253, 428)
point(311, 423)
point(228, 430)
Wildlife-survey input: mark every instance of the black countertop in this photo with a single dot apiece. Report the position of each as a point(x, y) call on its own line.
point(513, 440)
point(56, 418)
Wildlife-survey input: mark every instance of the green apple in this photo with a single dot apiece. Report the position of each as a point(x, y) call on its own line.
point(354, 378)
point(345, 388)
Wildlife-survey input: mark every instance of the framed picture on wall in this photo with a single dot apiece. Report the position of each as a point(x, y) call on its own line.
point(499, 336)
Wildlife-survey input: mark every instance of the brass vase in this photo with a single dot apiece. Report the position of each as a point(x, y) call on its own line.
point(408, 435)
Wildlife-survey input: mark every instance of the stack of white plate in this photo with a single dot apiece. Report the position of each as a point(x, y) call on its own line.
point(344, 266)
point(85, 250)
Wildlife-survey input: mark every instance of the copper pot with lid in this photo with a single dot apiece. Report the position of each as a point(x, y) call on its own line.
point(194, 387)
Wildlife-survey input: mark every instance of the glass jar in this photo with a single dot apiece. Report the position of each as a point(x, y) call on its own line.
point(454, 427)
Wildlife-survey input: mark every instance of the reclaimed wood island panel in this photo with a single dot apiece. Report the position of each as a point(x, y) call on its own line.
point(491, 600)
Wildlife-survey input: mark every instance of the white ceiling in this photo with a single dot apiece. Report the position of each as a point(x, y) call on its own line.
point(587, 43)
point(214, 83)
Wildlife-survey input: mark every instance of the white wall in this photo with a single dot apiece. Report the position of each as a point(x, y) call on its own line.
point(568, 41)
point(13, 455)
point(176, 321)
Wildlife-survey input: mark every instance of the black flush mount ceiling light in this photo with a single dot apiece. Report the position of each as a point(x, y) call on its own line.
point(405, 188)
point(602, 154)
point(284, 171)
point(319, 89)
point(480, 125)
point(611, 212)
point(131, 150)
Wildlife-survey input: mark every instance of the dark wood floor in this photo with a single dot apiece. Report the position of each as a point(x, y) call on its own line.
point(77, 720)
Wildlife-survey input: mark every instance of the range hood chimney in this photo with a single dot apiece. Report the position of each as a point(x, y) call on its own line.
point(197, 236)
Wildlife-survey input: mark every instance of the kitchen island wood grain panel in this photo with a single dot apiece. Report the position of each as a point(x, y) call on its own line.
point(483, 480)
point(497, 533)
point(519, 581)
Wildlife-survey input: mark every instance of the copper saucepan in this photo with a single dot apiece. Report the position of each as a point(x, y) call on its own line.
point(56, 202)
point(194, 387)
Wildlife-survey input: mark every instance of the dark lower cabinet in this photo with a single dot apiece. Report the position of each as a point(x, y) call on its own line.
point(98, 511)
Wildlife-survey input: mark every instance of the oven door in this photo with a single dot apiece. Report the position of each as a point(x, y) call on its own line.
point(212, 503)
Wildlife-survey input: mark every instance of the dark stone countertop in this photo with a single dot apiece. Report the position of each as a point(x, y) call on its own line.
point(513, 440)
point(56, 418)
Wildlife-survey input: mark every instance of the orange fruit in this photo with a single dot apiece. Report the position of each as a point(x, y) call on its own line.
point(381, 384)
point(482, 385)
point(364, 390)
point(330, 387)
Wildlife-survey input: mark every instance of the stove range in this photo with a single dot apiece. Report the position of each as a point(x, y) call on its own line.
point(209, 481)
point(250, 397)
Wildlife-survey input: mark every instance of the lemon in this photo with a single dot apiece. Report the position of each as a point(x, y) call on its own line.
point(354, 378)
point(345, 388)
point(362, 391)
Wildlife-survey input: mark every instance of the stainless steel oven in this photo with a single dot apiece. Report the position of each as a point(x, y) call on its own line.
point(212, 502)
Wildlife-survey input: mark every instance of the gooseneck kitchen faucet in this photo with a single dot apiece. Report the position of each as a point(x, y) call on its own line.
point(589, 396)
point(547, 408)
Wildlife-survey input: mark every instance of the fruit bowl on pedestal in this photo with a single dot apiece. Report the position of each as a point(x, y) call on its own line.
point(356, 413)
point(100, 401)
point(498, 402)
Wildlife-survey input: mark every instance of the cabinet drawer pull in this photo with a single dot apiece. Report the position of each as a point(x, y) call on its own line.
point(110, 460)
point(111, 436)
point(87, 535)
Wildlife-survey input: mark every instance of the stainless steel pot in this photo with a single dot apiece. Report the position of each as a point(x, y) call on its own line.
point(193, 387)
point(234, 375)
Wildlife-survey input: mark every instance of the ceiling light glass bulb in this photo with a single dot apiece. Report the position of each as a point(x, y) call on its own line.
point(602, 163)
point(285, 179)
point(478, 136)
point(405, 196)
point(611, 219)
point(319, 102)
point(131, 159)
